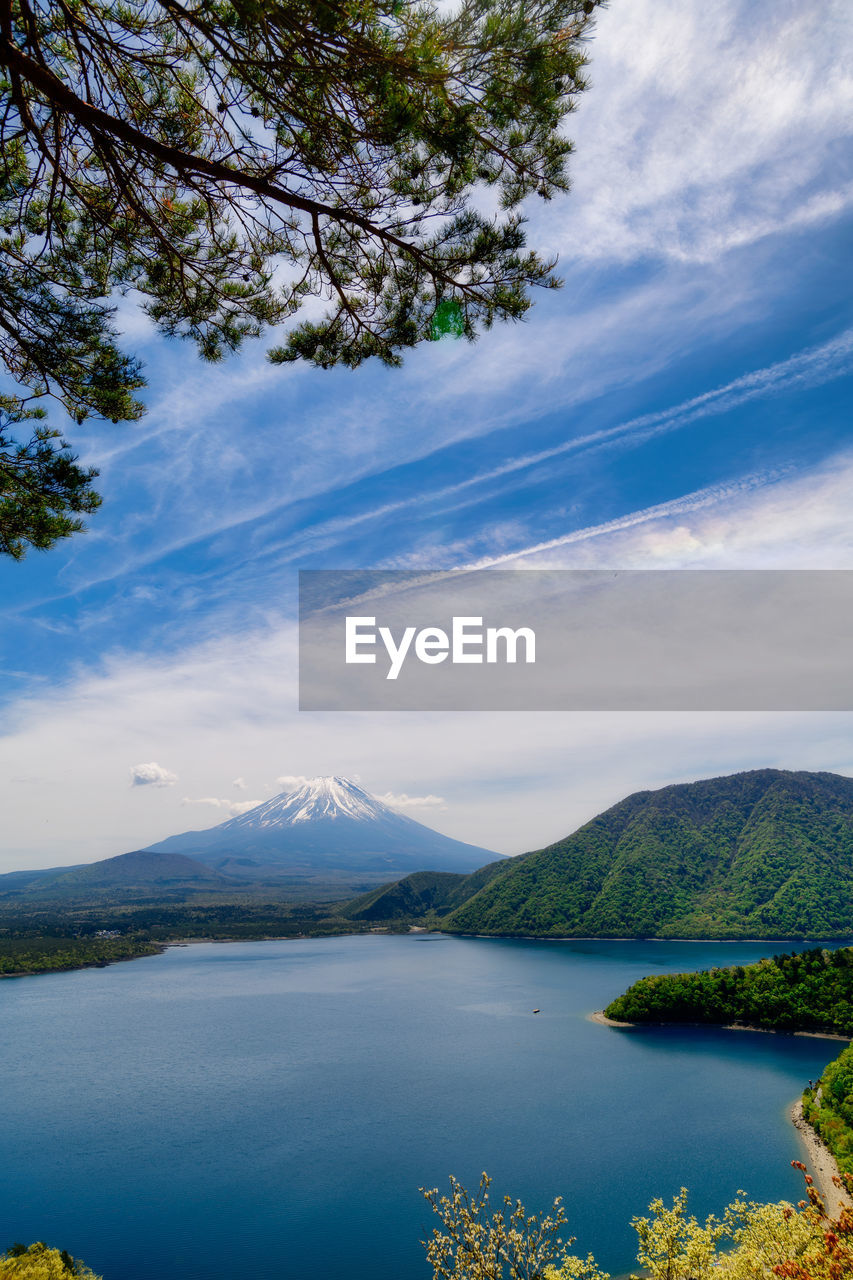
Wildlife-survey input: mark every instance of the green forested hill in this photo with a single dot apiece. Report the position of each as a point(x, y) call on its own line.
point(766, 854)
point(805, 991)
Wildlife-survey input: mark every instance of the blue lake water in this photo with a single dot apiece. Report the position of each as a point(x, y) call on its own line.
point(270, 1109)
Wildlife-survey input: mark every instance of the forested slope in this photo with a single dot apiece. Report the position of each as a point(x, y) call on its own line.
point(765, 854)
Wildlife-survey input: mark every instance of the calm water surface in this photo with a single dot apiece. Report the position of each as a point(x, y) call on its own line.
point(270, 1109)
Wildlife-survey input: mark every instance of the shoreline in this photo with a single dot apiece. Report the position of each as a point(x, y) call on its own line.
point(601, 1018)
point(604, 1021)
point(390, 929)
point(845, 938)
point(820, 1161)
point(773, 1031)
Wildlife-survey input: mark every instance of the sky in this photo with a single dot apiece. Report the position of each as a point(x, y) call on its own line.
point(684, 401)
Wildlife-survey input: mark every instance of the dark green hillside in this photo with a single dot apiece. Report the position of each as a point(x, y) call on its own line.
point(809, 991)
point(761, 854)
point(422, 894)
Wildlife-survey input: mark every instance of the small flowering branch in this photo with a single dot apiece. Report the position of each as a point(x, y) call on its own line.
point(479, 1243)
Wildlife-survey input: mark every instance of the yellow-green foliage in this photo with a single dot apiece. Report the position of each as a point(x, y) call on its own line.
point(750, 1242)
point(482, 1243)
point(39, 1262)
point(673, 1246)
point(671, 1243)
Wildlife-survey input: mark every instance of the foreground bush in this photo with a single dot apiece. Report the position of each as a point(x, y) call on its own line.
point(750, 1242)
point(39, 1262)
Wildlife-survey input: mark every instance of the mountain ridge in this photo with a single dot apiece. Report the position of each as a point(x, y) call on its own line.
point(763, 853)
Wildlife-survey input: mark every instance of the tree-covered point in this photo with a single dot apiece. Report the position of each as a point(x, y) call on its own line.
point(804, 991)
point(225, 160)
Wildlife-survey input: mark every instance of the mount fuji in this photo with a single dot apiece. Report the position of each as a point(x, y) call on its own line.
point(329, 824)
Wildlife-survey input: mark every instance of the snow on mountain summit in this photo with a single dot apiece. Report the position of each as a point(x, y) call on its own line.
point(320, 798)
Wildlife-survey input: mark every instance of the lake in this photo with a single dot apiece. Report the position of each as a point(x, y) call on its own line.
point(271, 1108)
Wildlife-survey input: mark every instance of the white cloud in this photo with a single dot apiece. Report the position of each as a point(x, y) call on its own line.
point(291, 782)
point(404, 801)
point(811, 368)
point(240, 784)
point(151, 775)
point(706, 127)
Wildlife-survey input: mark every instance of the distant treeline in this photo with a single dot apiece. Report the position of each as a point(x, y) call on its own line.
point(47, 939)
point(48, 954)
point(804, 991)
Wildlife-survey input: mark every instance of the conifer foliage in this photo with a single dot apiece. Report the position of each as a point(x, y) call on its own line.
point(224, 160)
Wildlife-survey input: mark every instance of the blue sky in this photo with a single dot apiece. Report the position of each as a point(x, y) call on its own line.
point(684, 400)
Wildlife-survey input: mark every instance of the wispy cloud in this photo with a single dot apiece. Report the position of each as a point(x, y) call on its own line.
point(678, 508)
point(404, 801)
point(506, 787)
point(761, 521)
point(807, 369)
point(708, 128)
point(232, 807)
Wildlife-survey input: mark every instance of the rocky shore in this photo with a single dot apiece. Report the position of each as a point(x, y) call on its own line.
point(821, 1163)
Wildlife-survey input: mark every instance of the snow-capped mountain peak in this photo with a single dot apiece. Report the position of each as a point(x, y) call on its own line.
point(328, 823)
point(327, 798)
